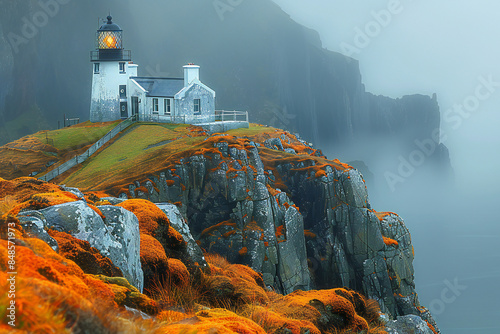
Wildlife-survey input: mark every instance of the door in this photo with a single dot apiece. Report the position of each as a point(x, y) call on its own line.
point(135, 105)
point(123, 92)
point(123, 110)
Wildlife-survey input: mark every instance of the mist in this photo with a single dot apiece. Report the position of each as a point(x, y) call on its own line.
point(449, 49)
point(251, 55)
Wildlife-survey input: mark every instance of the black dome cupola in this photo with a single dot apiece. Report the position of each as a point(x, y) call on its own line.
point(110, 26)
point(109, 43)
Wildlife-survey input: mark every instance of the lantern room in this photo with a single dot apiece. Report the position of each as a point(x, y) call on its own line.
point(109, 43)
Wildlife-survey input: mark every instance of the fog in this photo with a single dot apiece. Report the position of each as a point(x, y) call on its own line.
point(444, 48)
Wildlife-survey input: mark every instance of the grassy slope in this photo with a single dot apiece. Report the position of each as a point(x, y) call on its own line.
point(32, 153)
point(134, 156)
point(140, 151)
point(76, 136)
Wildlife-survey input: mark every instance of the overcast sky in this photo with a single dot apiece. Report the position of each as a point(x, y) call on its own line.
point(426, 47)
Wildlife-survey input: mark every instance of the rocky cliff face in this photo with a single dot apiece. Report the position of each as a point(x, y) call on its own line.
point(67, 246)
point(303, 221)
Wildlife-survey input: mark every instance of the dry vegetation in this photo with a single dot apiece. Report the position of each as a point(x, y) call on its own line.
point(79, 290)
point(33, 153)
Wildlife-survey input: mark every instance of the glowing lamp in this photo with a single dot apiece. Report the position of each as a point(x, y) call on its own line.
point(109, 44)
point(109, 36)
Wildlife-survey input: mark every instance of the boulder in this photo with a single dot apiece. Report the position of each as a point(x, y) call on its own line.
point(80, 221)
point(178, 222)
point(124, 227)
point(34, 227)
point(408, 324)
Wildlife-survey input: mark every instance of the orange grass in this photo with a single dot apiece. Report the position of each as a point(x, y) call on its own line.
point(152, 219)
point(30, 193)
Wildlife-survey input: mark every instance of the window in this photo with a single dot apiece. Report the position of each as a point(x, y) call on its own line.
point(122, 67)
point(155, 106)
point(97, 68)
point(197, 106)
point(168, 106)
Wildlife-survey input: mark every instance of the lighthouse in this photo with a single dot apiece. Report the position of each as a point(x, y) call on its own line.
point(112, 68)
point(119, 93)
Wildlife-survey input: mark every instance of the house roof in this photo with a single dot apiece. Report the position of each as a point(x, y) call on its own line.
point(160, 87)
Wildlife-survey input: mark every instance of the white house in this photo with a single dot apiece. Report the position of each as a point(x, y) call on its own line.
point(178, 100)
point(119, 93)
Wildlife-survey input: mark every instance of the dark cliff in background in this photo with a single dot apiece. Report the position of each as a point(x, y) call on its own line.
point(253, 55)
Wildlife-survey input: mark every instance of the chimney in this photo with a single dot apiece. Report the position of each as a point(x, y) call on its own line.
point(191, 73)
point(132, 69)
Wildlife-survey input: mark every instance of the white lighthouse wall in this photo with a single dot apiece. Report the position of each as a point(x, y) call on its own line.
point(105, 103)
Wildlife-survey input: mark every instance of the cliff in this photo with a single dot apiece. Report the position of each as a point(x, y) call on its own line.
point(261, 197)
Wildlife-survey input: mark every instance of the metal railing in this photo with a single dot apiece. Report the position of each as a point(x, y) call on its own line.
point(118, 55)
point(225, 116)
point(94, 148)
point(219, 116)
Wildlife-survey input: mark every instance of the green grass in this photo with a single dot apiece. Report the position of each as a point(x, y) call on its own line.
point(77, 136)
point(130, 156)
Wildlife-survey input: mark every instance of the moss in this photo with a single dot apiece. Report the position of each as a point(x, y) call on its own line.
point(171, 316)
point(432, 328)
point(178, 273)
point(33, 194)
point(217, 321)
point(390, 242)
point(86, 257)
point(274, 322)
point(382, 215)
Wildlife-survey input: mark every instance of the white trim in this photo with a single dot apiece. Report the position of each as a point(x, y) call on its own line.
point(165, 106)
point(135, 82)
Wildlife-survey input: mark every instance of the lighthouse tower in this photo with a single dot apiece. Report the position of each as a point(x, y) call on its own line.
point(112, 68)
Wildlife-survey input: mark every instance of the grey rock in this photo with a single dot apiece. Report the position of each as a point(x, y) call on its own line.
point(348, 248)
point(124, 227)
point(34, 225)
point(292, 262)
point(274, 143)
point(409, 324)
point(178, 222)
point(80, 221)
point(74, 191)
point(114, 200)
